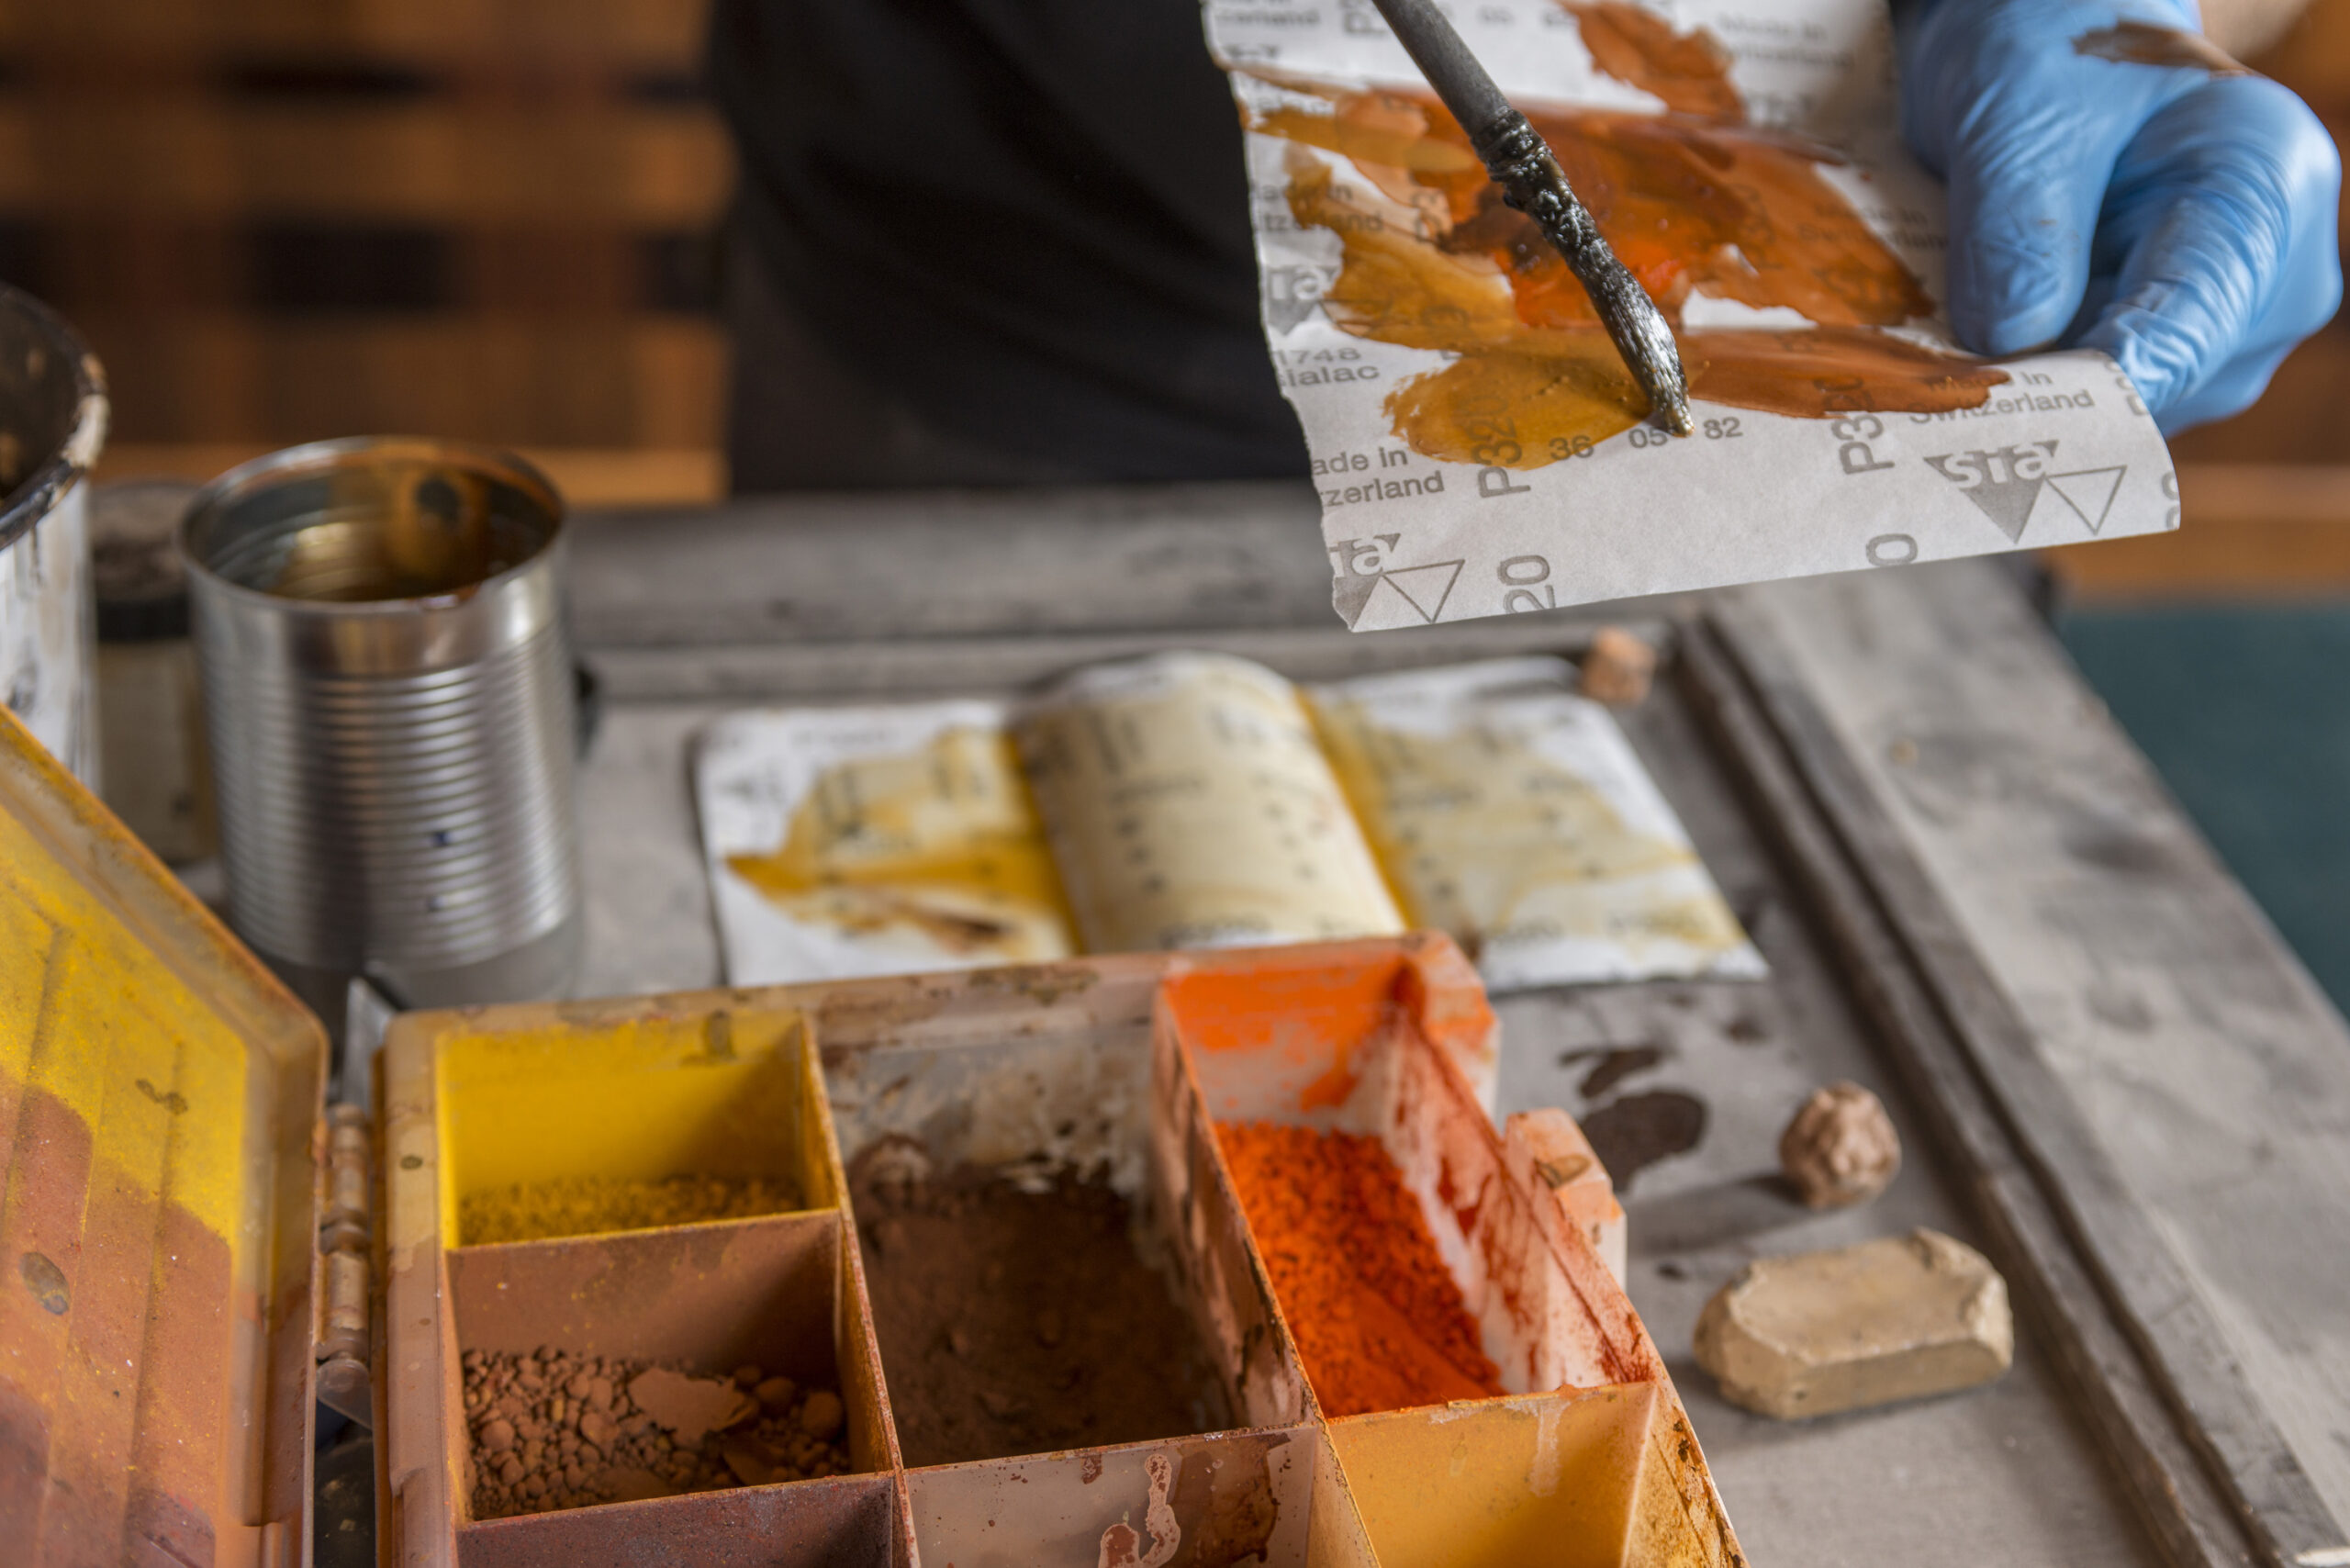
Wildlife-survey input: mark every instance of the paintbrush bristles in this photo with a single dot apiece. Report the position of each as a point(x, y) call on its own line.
point(1520, 162)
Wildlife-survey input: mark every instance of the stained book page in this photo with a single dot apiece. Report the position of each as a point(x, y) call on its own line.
point(1198, 800)
point(1479, 447)
point(1514, 815)
point(872, 841)
point(1190, 806)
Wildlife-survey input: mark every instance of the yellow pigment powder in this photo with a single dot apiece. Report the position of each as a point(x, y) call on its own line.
point(589, 1206)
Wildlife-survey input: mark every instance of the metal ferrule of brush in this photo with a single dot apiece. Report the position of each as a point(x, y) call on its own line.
point(1521, 162)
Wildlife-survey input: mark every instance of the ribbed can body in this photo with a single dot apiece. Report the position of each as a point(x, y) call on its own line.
point(395, 775)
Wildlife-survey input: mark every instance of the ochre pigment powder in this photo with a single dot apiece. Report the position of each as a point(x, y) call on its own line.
point(1018, 1322)
point(1378, 1320)
point(591, 1206)
point(553, 1430)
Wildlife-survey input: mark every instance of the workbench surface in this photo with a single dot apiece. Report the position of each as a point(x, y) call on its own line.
point(2170, 1055)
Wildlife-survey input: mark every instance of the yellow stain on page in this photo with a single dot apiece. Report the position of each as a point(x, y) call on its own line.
point(1487, 839)
point(939, 843)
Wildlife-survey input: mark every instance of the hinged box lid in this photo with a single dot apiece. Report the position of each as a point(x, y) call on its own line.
point(160, 1103)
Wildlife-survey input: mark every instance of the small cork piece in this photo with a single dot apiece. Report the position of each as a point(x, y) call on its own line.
point(1818, 1332)
point(1840, 1149)
point(1618, 667)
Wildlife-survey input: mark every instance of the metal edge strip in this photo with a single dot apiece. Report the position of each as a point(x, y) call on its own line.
point(1924, 991)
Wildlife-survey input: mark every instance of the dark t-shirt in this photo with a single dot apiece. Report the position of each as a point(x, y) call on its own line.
point(1028, 218)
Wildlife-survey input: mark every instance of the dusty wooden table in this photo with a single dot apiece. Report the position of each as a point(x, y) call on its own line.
point(1974, 895)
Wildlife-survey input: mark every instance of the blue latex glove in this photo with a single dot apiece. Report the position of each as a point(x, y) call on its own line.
point(2180, 219)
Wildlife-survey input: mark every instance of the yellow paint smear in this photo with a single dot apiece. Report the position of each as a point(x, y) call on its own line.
point(1694, 201)
point(939, 842)
point(1485, 837)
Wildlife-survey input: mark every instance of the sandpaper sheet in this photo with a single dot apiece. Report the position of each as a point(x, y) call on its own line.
point(885, 839)
point(1515, 814)
point(1478, 447)
point(1191, 800)
point(1189, 804)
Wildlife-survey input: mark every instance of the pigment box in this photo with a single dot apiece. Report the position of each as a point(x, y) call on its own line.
point(1022, 1266)
point(1020, 1253)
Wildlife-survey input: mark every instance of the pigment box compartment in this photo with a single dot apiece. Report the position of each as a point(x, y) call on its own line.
point(1028, 1293)
point(1065, 1357)
point(1021, 1255)
point(1492, 1398)
point(657, 1114)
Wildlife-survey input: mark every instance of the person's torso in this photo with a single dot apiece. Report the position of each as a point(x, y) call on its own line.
point(1029, 217)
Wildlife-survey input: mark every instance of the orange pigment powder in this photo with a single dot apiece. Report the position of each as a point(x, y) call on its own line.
point(1378, 1320)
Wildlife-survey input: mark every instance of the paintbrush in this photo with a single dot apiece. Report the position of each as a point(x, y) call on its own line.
point(1520, 162)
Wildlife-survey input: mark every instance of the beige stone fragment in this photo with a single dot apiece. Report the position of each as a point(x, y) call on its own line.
point(1618, 667)
point(1895, 1319)
point(1840, 1148)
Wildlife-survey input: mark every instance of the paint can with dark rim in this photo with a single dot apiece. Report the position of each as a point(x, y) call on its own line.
point(382, 638)
point(52, 422)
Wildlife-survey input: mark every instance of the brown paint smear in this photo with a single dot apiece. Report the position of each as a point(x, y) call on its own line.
point(1689, 70)
point(1694, 200)
point(2141, 43)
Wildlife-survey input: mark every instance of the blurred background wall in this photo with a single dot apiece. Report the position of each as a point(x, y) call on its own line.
point(282, 219)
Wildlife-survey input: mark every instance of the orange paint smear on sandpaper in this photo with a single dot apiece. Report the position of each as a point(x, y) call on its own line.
point(1694, 200)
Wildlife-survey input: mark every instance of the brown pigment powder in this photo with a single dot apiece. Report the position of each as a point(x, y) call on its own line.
point(591, 1206)
point(551, 1431)
point(1015, 1322)
point(1378, 1320)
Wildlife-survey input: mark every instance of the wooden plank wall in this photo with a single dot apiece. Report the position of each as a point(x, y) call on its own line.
point(282, 219)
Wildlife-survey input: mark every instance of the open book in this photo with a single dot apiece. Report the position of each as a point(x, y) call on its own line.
point(1198, 800)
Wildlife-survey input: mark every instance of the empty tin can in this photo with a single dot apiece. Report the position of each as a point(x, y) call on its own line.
point(151, 716)
point(381, 633)
point(52, 422)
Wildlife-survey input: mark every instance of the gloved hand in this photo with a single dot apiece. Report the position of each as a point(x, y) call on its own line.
point(2179, 218)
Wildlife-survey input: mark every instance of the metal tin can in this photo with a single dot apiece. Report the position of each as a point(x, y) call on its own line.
point(381, 633)
point(151, 716)
point(52, 422)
